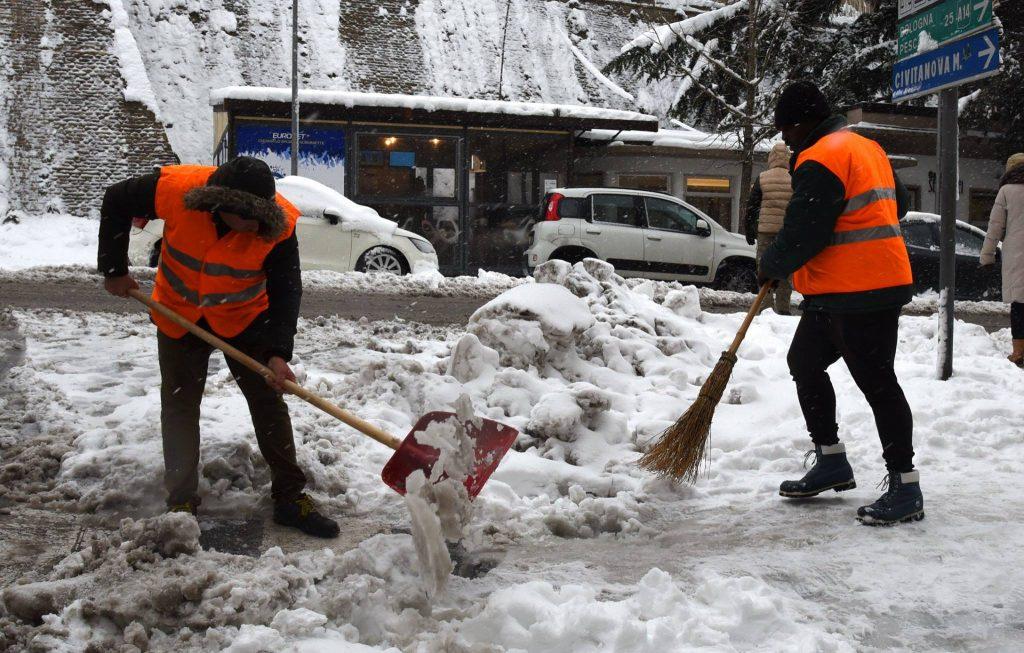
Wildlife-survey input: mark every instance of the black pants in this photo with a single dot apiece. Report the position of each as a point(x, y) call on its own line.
point(1017, 320)
point(867, 343)
point(183, 367)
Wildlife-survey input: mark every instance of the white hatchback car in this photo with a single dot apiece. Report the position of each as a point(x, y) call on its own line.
point(642, 234)
point(334, 233)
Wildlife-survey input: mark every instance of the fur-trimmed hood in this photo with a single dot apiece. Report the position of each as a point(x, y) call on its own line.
point(268, 213)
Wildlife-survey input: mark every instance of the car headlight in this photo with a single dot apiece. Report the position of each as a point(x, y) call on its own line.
point(423, 245)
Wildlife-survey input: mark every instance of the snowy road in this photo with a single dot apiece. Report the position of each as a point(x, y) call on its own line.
point(82, 292)
point(88, 295)
point(598, 555)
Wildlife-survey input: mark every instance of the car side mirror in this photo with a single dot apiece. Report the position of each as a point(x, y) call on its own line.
point(703, 228)
point(332, 216)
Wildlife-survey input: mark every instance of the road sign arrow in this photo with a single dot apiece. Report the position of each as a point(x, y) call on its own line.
point(988, 52)
point(982, 6)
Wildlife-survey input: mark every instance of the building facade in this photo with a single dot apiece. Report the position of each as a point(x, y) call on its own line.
point(469, 175)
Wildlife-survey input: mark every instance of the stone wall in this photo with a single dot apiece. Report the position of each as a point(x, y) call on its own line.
point(70, 131)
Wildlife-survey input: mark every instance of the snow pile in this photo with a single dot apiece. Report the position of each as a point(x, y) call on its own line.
point(722, 614)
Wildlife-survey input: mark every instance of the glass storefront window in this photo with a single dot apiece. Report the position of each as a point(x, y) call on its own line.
point(509, 174)
point(708, 185)
point(653, 183)
point(980, 201)
point(403, 166)
point(438, 224)
point(713, 196)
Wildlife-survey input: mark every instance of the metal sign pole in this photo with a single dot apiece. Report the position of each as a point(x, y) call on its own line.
point(948, 164)
point(295, 87)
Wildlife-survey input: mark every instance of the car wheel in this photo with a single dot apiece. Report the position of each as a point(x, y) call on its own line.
point(736, 277)
point(382, 259)
point(154, 256)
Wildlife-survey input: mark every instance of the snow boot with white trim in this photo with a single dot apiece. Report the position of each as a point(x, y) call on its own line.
point(831, 471)
point(901, 502)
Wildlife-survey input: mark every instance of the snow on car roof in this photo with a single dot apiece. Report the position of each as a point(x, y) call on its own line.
point(921, 216)
point(311, 198)
point(690, 138)
point(353, 99)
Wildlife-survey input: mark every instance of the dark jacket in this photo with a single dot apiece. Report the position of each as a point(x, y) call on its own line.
point(819, 198)
point(273, 331)
point(753, 214)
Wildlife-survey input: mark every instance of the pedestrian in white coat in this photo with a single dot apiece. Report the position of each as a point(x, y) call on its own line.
point(1006, 224)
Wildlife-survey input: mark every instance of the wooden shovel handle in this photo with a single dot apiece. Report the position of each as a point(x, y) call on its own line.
point(765, 289)
point(363, 426)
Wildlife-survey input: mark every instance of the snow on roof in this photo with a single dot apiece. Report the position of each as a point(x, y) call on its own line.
point(688, 138)
point(353, 99)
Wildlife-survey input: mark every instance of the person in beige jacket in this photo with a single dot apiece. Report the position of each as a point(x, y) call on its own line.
point(1006, 224)
point(765, 210)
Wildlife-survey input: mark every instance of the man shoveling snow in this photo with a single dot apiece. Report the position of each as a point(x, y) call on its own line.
point(229, 262)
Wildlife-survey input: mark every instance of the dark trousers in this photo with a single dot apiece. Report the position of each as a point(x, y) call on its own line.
point(867, 343)
point(183, 367)
point(1017, 320)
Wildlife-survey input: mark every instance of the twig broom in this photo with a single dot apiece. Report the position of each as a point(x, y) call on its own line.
point(682, 447)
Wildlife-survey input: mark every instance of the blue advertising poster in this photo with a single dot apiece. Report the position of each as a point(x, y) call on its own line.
point(321, 149)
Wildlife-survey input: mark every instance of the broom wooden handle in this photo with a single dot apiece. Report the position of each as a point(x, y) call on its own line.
point(765, 289)
point(361, 425)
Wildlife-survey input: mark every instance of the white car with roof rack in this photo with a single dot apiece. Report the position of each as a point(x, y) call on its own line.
point(334, 233)
point(643, 234)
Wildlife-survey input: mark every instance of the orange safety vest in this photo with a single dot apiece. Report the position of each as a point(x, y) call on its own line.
point(867, 250)
point(201, 275)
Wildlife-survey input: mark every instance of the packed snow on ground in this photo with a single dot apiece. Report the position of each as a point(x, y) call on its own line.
point(599, 554)
point(29, 241)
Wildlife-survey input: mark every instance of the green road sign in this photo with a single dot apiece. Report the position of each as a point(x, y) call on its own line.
point(940, 24)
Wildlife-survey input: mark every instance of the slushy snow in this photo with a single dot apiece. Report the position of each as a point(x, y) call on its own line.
point(599, 555)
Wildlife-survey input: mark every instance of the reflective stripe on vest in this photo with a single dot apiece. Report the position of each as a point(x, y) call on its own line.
point(212, 269)
point(215, 299)
point(875, 194)
point(864, 235)
point(866, 251)
point(203, 275)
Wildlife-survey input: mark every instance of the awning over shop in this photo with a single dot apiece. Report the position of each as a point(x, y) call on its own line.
point(426, 110)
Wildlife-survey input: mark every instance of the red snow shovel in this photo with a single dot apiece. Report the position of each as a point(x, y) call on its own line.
point(492, 440)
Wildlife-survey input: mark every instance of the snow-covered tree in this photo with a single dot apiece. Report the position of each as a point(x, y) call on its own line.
point(999, 102)
point(732, 60)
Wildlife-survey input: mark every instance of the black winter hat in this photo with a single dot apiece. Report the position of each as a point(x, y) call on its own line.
point(801, 102)
point(245, 186)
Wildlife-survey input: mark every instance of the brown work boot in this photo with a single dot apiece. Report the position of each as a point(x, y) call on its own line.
point(1017, 357)
point(302, 514)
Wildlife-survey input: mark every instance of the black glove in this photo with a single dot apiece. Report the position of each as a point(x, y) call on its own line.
point(751, 238)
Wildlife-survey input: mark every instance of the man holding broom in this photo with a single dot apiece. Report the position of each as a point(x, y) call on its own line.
point(841, 242)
